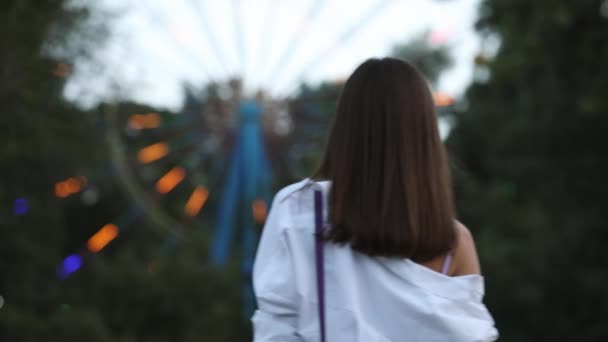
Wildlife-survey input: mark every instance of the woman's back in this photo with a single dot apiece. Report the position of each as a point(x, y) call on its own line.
point(389, 204)
point(367, 298)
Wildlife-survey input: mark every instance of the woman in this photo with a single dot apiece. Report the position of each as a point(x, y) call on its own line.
point(397, 266)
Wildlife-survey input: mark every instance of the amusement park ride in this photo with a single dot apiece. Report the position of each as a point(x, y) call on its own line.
point(225, 148)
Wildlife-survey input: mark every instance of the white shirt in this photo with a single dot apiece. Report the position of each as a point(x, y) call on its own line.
point(367, 299)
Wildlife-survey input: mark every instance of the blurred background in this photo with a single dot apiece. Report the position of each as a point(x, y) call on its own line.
point(141, 143)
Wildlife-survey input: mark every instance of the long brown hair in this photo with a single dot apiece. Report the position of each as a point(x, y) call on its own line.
point(391, 191)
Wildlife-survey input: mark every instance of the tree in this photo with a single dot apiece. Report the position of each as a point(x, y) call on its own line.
point(134, 289)
point(531, 167)
point(37, 149)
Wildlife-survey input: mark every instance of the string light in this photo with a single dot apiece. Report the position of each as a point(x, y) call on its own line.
point(259, 210)
point(142, 121)
point(20, 207)
point(153, 152)
point(70, 186)
point(70, 264)
point(170, 180)
point(196, 201)
point(443, 100)
point(101, 239)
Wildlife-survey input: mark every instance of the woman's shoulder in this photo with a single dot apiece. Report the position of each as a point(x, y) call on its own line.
point(294, 203)
point(463, 233)
point(300, 190)
point(465, 253)
point(290, 189)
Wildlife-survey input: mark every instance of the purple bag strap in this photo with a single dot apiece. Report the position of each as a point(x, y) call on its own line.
point(319, 261)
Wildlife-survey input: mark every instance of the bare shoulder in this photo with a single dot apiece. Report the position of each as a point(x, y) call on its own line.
point(463, 233)
point(466, 259)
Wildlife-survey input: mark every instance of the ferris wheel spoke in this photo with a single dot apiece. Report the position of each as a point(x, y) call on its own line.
point(300, 33)
point(267, 31)
point(237, 18)
point(356, 27)
point(212, 39)
point(160, 20)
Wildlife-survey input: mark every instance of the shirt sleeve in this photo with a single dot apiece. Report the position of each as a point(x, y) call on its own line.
point(274, 282)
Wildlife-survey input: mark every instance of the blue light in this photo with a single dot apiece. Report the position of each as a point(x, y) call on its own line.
point(20, 207)
point(71, 264)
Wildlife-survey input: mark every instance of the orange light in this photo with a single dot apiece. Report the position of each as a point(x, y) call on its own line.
point(259, 210)
point(72, 185)
point(443, 99)
point(196, 201)
point(60, 190)
point(170, 180)
point(152, 120)
point(69, 186)
point(153, 152)
point(101, 239)
point(141, 121)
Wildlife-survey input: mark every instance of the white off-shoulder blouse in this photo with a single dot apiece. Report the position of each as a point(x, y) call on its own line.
point(367, 299)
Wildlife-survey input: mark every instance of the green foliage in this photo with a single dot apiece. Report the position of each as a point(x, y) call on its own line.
point(43, 139)
point(171, 297)
point(531, 168)
point(312, 110)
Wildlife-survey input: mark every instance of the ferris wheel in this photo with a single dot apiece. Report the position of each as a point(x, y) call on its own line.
point(224, 148)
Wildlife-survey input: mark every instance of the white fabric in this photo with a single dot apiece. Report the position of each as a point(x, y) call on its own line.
point(367, 299)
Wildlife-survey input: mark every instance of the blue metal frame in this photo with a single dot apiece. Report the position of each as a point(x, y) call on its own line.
point(248, 179)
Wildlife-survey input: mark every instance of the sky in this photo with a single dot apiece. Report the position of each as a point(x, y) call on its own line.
point(155, 46)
